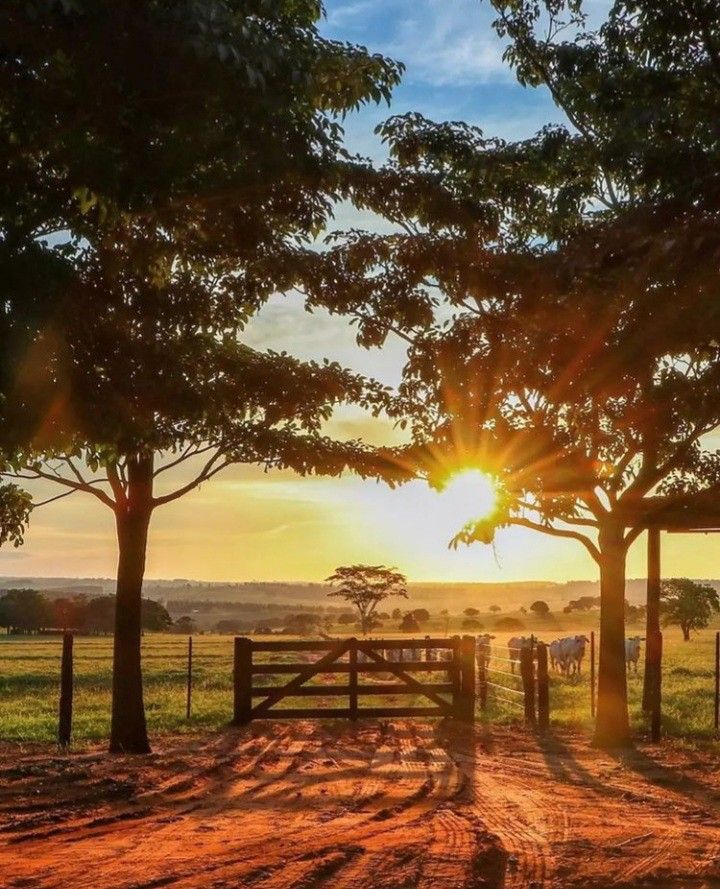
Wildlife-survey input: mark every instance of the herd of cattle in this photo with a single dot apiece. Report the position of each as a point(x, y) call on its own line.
point(566, 654)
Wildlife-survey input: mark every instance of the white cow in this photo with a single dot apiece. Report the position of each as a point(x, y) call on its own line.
point(482, 649)
point(572, 653)
point(555, 653)
point(632, 651)
point(515, 645)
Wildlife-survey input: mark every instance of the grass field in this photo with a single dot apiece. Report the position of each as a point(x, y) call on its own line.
point(30, 666)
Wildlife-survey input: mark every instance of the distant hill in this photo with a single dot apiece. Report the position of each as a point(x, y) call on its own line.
point(455, 596)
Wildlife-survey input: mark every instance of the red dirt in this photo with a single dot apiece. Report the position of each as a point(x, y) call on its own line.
point(401, 804)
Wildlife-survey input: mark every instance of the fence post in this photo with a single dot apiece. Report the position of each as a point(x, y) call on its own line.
point(454, 670)
point(592, 674)
point(66, 690)
point(656, 692)
point(467, 677)
point(352, 654)
point(242, 681)
point(482, 680)
point(188, 704)
point(527, 672)
point(543, 687)
point(717, 681)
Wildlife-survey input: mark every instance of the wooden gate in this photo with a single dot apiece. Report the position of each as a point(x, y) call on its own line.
point(398, 658)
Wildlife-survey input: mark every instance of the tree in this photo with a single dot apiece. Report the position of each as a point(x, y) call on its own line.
point(495, 609)
point(421, 615)
point(187, 193)
point(472, 623)
point(154, 616)
point(540, 608)
point(445, 614)
point(409, 623)
point(471, 612)
point(70, 614)
point(25, 611)
point(301, 624)
point(509, 625)
point(688, 604)
point(365, 587)
point(581, 362)
point(184, 625)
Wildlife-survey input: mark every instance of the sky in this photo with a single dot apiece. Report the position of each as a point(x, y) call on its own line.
point(249, 525)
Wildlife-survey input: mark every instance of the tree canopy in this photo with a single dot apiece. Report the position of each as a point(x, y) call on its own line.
point(175, 167)
point(688, 604)
point(365, 587)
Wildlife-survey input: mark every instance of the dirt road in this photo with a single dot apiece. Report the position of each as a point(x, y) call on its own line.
point(402, 804)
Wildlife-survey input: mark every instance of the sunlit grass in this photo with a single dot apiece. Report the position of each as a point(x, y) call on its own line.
point(30, 668)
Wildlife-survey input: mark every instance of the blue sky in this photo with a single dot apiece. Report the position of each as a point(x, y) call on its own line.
point(248, 525)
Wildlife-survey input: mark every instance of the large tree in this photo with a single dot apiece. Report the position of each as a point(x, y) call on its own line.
point(165, 169)
point(365, 587)
point(566, 325)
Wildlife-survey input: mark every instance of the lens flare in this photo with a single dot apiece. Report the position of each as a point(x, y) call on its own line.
point(472, 493)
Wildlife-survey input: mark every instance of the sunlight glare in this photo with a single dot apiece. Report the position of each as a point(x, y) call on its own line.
point(472, 494)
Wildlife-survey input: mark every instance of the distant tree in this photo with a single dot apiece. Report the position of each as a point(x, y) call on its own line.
point(154, 616)
point(472, 623)
point(184, 625)
point(495, 609)
point(232, 625)
point(383, 615)
point(688, 604)
point(25, 611)
point(346, 619)
point(509, 624)
point(263, 630)
point(302, 624)
point(396, 614)
point(421, 615)
point(445, 614)
point(100, 614)
point(70, 614)
point(471, 612)
point(409, 623)
point(540, 608)
point(365, 587)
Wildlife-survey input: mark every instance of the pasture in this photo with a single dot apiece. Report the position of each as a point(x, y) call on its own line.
point(30, 667)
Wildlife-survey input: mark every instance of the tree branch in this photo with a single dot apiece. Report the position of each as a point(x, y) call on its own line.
point(558, 532)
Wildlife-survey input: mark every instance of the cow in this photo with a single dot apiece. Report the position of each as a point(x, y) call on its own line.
point(515, 645)
point(555, 655)
point(571, 654)
point(482, 649)
point(632, 651)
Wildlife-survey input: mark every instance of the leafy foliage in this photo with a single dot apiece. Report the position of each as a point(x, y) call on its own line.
point(365, 587)
point(688, 604)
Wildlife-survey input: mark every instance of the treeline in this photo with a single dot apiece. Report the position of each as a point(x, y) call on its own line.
point(31, 611)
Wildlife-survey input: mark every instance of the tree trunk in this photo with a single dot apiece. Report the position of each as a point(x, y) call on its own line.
point(612, 727)
point(128, 730)
point(686, 633)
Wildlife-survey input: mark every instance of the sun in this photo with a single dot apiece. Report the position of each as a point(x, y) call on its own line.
point(472, 494)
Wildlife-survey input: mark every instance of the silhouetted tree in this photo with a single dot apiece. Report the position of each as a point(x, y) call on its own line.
point(471, 623)
point(409, 623)
point(207, 156)
point(581, 365)
point(542, 609)
point(25, 611)
point(688, 604)
point(365, 587)
point(471, 612)
point(185, 625)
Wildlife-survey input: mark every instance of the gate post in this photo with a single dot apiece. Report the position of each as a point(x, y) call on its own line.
point(467, 677)
point(482, 681)
point(242, 681)
point(455, 679)
point(527, 672)
point(353, 681)
point(656, 693)
point(592, 674)
point(66, 691)
point(543, 687)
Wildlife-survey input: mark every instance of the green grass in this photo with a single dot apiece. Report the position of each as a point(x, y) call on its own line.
point(30, 667)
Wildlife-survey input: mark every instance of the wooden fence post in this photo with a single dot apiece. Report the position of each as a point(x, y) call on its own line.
point(543, 687)
point(66, 690)
point(482, 681)
point(188, 703)
point(656, 692)
point(455, 677)
point(353, 683)
point(242, 681)
point(717, 681)
point(467, 677)
point(527, 672)
point(592, 674)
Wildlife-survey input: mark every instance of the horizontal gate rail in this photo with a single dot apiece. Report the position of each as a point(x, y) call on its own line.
point(455, 657)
